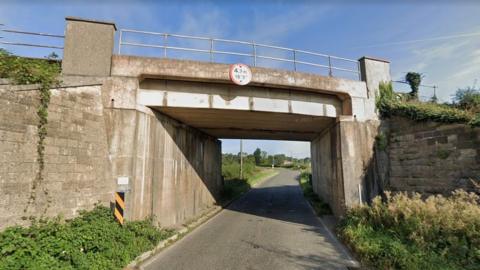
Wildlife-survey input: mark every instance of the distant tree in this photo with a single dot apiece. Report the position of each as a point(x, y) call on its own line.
point(468, 99)
point(258, 156)
point(264, 156)
point(280, 159)
point(414, 79)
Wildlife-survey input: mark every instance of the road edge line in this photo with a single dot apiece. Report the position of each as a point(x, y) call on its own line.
point(203, 219)
point(354, 263)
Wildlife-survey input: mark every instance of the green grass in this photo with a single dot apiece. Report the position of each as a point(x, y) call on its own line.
point(321, 208)
point(94, 240)
point(235, 187)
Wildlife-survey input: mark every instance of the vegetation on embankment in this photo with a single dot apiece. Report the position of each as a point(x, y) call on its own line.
point(94, 240)
point(321, 208)
point(234, 187)
point(408, 232)
point(43, 72)
point(252, 174)
point(465, 111)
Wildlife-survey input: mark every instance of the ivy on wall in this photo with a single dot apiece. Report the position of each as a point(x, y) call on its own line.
point(43, 72)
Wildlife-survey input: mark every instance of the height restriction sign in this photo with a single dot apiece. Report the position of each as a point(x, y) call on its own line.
point(240, 74)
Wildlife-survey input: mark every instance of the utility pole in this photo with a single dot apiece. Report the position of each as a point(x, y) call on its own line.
point(273, 161)
point(241, 159)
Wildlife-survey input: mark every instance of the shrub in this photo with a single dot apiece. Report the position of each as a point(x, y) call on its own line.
point(94, 240)
point(408, 232)
point(231, 166)
point(468, 99)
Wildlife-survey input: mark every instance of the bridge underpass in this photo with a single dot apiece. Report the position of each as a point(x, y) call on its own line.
point(242, 112)
point(164, 118)
point(188, 105)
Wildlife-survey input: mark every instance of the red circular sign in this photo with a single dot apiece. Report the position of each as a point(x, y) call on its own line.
point(240, 74)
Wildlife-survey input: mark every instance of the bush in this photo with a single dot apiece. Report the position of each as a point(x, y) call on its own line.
point(94, 240)
point(390, 103)
point(408, 232)
point(231, 166)
point(468, 99)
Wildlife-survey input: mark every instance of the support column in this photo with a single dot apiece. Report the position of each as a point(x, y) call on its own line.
point(88, 47)
point(344, 156)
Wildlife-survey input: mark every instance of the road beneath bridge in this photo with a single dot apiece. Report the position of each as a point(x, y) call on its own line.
point(271, 227)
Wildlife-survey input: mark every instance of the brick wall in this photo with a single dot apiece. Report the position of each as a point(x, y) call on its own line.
point(432, 157)
point(76, 165)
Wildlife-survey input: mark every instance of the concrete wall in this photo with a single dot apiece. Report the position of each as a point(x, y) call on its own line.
point(88, 47)
point(77, 170)
point(432, 157)
point(343, 163)
point(174, 170)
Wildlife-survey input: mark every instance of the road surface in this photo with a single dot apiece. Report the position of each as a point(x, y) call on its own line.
point(271, 227)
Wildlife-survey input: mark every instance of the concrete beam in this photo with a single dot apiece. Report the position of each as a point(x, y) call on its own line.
point(165, 93)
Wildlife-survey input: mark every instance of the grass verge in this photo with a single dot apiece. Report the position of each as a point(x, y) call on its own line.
point(321, 208)
point(235, 187)
point(408, 232)
point(93, 240)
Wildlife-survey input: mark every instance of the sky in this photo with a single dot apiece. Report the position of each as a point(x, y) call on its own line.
point(440, 39)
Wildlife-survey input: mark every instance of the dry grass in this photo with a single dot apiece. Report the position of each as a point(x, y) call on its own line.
point(407, 232)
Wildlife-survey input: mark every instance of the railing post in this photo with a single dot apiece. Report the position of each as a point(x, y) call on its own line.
point(359, 71)
point(120, 42)
point(330, 66)
point(294, 60)
point(211, 50)
point(254, 54)
point(165, 45)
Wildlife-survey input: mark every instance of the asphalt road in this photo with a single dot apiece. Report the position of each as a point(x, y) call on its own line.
point(271, 227)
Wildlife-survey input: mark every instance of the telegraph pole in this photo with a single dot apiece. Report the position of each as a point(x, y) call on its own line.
point(241, 159)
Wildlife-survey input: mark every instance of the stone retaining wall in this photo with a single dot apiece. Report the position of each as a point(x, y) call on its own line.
point(432, 157)
point(76, 171)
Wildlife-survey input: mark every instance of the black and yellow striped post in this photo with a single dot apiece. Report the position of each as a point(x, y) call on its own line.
point(119, 211)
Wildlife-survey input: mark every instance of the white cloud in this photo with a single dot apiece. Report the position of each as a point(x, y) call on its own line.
point(448, 64)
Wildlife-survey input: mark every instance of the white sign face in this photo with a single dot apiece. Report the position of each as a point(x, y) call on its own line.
point(122, 180)
point(240, 74)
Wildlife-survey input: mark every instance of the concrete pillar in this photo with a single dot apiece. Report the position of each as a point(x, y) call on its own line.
point(373, 71)
point(88, 47)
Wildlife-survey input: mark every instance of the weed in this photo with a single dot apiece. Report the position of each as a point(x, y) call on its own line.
point(34, 71)
point(390, 103)
point(381, 141)
point(408, 232)
point(94, 240)
point(321, 208)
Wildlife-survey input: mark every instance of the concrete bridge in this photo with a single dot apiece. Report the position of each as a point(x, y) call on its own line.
point(164, 117)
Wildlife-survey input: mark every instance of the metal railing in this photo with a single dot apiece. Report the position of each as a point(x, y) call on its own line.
point(422, 96)
point(27, 33)
point(254, 53)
